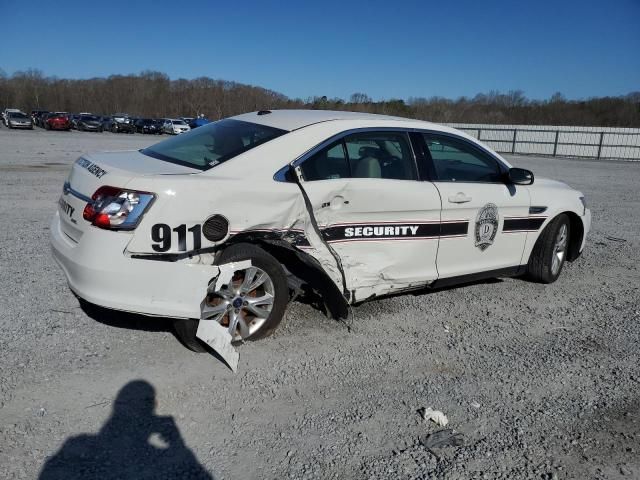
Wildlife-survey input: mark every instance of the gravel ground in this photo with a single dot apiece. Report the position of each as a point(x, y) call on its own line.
point(540, 381)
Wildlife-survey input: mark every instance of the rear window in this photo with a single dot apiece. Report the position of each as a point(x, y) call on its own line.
point(212, 144)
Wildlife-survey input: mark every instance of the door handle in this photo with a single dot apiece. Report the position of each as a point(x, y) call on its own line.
point(459, 197)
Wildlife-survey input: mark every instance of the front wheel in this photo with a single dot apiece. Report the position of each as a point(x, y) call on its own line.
point(550, 251)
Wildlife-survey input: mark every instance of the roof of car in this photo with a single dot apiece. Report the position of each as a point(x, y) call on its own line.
point(295, 119)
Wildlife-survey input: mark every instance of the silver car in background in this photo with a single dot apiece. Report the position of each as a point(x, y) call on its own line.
point(19, 120)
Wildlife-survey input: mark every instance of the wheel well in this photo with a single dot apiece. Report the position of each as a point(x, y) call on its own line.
point(301, 265)
point(576, 234)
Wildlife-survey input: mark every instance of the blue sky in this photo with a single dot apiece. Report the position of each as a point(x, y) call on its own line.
point(387, 49)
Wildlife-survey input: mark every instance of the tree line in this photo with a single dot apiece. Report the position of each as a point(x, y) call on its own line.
point(154, 94)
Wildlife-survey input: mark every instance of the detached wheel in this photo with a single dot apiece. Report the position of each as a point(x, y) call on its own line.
point(550, 251)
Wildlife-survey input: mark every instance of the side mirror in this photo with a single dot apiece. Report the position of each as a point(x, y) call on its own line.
point(520, 176)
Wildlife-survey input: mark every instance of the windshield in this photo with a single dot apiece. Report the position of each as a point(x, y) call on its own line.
point(17, 115)
point(87, 118)
point(178, 122)
point(212, 144)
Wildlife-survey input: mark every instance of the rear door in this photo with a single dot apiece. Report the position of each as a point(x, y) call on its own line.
point(472, 187)
point(374, 212)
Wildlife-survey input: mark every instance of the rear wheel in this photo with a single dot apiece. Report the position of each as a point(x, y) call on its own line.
point(550, 251)
point(250, 306)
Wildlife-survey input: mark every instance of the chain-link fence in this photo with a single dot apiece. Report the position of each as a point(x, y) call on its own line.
point(586, 142)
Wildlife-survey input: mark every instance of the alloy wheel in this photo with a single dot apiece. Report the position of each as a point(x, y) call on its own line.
point(242, 306)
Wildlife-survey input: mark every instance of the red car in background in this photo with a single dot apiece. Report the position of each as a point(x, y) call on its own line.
point(57, 121)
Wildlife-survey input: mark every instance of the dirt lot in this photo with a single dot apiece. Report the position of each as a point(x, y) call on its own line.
point(541, 381)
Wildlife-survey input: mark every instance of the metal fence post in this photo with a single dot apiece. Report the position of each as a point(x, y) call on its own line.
point(600, 144)
point(479, 132)
point(555, 143)
point(513, 143)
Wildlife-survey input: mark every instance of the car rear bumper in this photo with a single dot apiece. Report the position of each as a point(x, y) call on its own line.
point(99, 271)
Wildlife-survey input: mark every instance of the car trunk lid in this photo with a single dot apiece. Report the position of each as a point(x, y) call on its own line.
point(115, 169)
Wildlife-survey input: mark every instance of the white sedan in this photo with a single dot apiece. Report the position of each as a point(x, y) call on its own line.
point(174, 126)
point(225, 224)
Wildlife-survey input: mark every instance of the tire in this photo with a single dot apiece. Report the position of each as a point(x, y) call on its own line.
point(186, 329)
point(114, 129)
point(550, 251)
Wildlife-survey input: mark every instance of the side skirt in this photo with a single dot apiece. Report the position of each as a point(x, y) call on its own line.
point(474, 277)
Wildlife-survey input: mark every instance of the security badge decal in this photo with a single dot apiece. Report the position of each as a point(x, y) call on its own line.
point(486, 226)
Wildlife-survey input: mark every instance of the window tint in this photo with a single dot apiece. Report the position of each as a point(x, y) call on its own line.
point(380, 155)
point(458, 161)
point(329, 163)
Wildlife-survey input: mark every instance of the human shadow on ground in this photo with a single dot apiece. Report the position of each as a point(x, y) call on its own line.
point(134, 443)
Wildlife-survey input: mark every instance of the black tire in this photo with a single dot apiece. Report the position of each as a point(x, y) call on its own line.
point(540, 267)
point(186, 332)
point(186, 329)
point(114, 129)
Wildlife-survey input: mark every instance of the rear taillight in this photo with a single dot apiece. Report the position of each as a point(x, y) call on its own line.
point(115, 208)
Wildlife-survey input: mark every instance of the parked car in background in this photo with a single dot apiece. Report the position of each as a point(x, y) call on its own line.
point(89, 123)
point(19, 120)
point(57, 121)
point(6, 112)
point(35, 114)
point(187, 120)
point(106, 122)
point(73, 120)
point(148, 125)
point(121, 122)
point(40, 118)
point(175, 126)
point(199, 122)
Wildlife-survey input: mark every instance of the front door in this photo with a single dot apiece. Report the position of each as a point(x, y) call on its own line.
point(472, 188)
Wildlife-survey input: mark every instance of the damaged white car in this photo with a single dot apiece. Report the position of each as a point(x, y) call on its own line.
point(225, 224)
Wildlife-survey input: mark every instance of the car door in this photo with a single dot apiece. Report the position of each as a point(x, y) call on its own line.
point(472, 187)
point(371, 209)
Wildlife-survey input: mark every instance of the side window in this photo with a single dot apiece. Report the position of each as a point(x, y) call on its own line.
point(457, 161)
point(329, 163)
point(380, 155)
